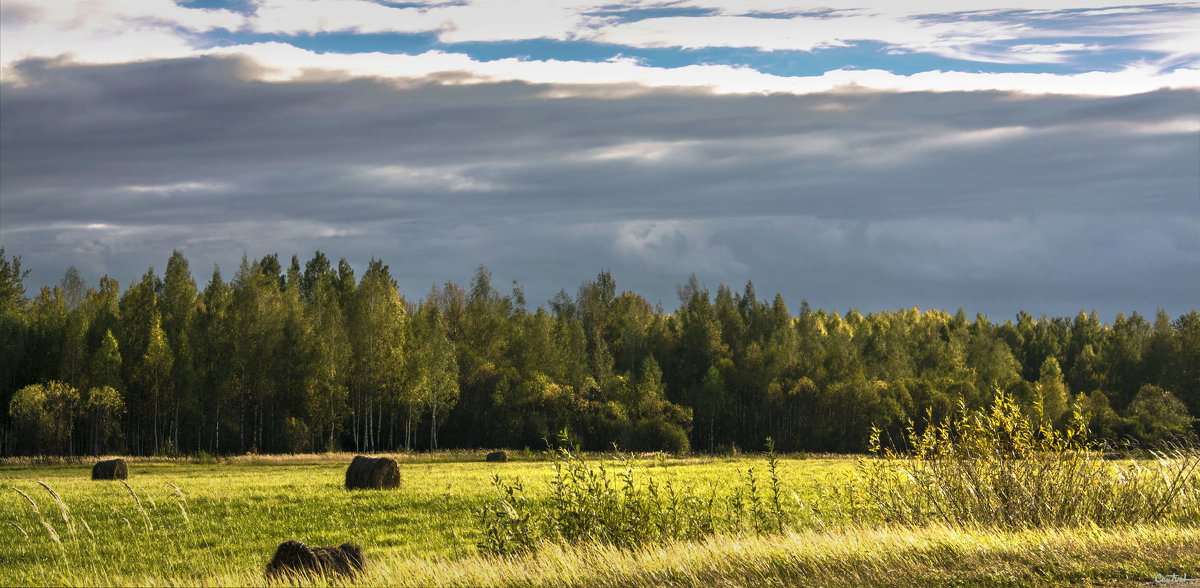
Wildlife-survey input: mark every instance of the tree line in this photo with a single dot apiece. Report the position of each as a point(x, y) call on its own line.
point(308, 357)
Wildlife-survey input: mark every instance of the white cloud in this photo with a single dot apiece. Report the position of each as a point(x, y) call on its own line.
point(1051, 48)
point(902, 26)
point(115, 43)
point(883, 151)
point(645, 151)
point(1179, 126)
point(111, 31)
point(504, 20)
point(454, 179)
point(104, 31)
point(480, 20)
point(177, 187)
point(1179, 39)
point(970, 35)
point(283, 62)
point(90, 14)
point(293, 17)
point(674, 246)
point(806, 33)
point(909, 7)
point(1045, 53)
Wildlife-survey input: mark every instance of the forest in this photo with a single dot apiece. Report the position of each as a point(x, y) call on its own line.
point(305, 357)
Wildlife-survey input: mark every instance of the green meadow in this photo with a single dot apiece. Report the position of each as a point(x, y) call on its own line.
point(227, 517)
point(218, 523)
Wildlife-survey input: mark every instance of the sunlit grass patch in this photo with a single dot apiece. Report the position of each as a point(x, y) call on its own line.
point(219, 523)
point(879, 556)
point(235, 512)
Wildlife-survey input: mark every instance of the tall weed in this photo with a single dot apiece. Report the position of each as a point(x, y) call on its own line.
point(626, 508)
point(997, 467)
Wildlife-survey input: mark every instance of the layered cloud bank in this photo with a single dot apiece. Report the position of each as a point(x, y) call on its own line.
point(1059, 169)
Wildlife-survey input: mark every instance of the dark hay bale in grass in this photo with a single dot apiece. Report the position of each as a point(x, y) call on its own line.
point(294, 558)
point(110, 469)
point(372, 472)
point(498, 456)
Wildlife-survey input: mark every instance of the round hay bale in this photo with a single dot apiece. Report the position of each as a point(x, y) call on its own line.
point(376, 473)
point(110, 469)
point(295, 558)
point(344, 560)
point(498, 456)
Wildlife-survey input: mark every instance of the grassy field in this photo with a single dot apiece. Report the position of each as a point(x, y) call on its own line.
point(218, 524)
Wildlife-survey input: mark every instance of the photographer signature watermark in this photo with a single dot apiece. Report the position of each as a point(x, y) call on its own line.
point(1173, 579)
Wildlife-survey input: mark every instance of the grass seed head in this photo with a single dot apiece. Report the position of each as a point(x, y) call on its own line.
point(23, 533)
point(53, 534)
point(138, 502)
point(32, 504)
point(54, 494)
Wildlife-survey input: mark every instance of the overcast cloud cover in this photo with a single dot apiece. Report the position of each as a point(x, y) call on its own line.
point(995, 156)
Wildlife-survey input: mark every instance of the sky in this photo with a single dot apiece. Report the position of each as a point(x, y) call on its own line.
point(995, 156)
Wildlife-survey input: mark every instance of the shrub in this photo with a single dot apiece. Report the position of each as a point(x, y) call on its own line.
point(619, 507)
point(297, 436)
point(997, 467)
point(45, 415)
point(1159, 418)
point(658, 435)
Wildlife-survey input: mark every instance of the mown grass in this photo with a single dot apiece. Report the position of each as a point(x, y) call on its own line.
point(233, 513)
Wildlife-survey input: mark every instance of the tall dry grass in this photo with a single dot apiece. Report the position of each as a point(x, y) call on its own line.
point(855, 556)
point(998, 467)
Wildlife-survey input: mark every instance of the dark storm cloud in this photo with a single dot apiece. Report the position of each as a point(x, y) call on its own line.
point(990, 201)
